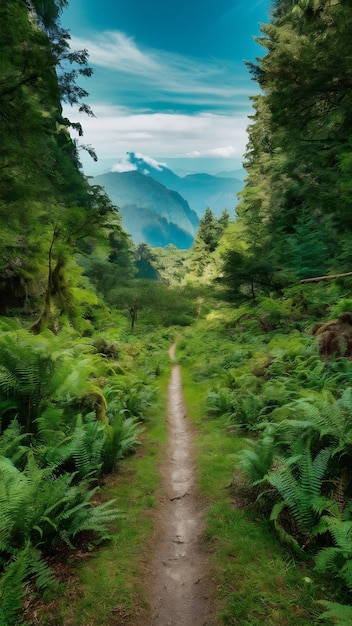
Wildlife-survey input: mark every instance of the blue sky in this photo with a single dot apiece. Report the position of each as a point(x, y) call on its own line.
point(169, 79)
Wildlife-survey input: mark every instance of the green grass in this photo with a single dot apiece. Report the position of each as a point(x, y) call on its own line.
point(108, 585)
point(258, 581)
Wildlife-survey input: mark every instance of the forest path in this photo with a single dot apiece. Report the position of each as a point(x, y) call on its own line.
point(181, 586)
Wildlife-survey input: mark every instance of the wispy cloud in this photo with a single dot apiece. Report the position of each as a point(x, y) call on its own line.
point(129, 164)
point(124, 166)
point(225, 152)
point(115, 131)
point(117, 51)
point(162, 76)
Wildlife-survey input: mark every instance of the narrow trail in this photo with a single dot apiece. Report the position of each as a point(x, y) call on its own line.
point(181, 585)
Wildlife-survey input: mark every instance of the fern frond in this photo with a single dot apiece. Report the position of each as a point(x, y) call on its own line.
point(327, 559)
point(313, 471)
point(256, 461)
point(26, 563)
point(284, 536)
point(11, 443)
point(11, 590)
point(87, 445)
point(341, 532)
point(346, 573)
point(341, 614)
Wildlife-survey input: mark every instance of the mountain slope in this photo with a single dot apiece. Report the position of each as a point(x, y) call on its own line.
point(150, 212)
point(200, 190)
point(205, 190)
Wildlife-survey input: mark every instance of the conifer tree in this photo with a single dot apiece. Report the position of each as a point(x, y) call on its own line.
point(298, 154)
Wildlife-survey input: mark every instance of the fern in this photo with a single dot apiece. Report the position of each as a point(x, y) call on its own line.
point(220, 402)
point(338, 559)
point(78, 514)
point(321, 419)
point(340, 614)
point(51, 426)
point(11, 590)
point(122, 438)
point(257, 460)
point(11, 443)
point(299, 485)
point(27, 563)
point(247, 410)
point(14, 494)
point(81, 450)
point(87, 446)
point(39, 507)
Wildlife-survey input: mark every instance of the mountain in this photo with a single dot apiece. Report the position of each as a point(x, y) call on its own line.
point(150, 211)
point(205, 190)
point(200, 190)
point(240, 174)
point(158, 206)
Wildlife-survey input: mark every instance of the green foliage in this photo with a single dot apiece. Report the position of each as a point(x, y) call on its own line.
point(210, 229)
point(338, 558)
point(48, 211)
point(256, 460)
point(11, 444)
point(299, 151)
point(269, 378)
point(299, 482)
point(81, 450)
point(156, 304)
point(39, 507)
point(220, 402)
point(246, 274)
point(247, 410)
point(122, 438)
point(340, 614)
point(170, 264)
point(26, 563)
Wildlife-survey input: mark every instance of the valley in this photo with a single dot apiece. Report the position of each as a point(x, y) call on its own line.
point(160, 208)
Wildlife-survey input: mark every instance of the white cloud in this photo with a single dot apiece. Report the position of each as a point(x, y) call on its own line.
point(115, 50)
point(226, 152)
point(172, 76)
point(158, 165)
point(115, 131)
point(123, 166)
point(155, 90)
point(130, 165)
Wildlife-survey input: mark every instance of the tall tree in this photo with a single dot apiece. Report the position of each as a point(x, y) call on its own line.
point(299, 146)
point(48, 210)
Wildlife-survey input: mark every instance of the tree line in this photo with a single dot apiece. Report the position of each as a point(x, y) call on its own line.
point(294, 217)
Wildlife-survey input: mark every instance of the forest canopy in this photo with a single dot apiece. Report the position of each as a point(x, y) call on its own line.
point(294, 210)
point(49, 213)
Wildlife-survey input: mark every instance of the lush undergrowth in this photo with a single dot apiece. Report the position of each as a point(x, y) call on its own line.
point(72, 408)
point(273, 412)
point(268, 386)
point(108, 585)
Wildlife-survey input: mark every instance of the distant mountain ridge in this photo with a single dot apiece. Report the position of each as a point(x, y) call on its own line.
point(200, 190)
point(150, 212)
point(158, 206)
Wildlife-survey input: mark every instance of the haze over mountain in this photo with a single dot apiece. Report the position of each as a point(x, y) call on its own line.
point(199, 189)
point(158, 206)
point(150, 211)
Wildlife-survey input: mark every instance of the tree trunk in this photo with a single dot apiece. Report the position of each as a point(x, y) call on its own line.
point(38, 325)
point(319, 278)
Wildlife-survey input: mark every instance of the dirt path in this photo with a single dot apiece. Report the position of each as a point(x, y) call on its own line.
point(181, 589)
